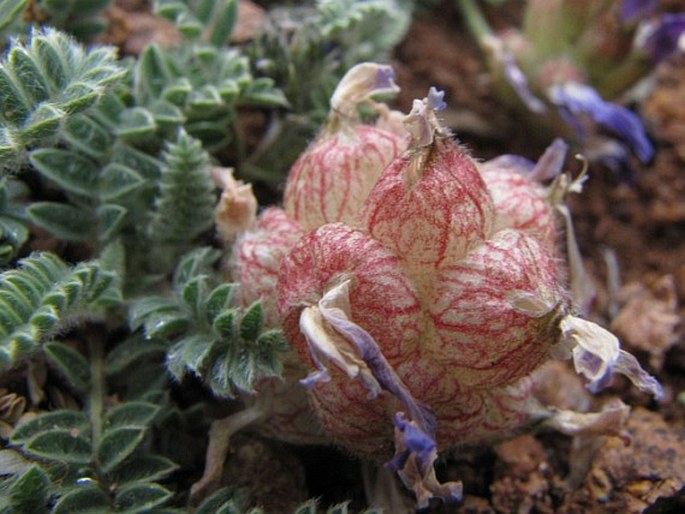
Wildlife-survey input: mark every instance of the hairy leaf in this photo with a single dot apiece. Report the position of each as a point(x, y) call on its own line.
point(70, 364)
point(135, 498)
point(60, 445)
point(83, 499)
point(42, 294)
point(142, 468)
point(63, 220)
point(69, 170)
point(185, 205)
point(69, 420)
point(117, 444)
point(44, 81)
point(131, 351)
point(29, 492)
point(131, 414)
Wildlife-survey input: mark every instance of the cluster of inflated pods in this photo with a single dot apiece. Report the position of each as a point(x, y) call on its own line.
point(421, 291)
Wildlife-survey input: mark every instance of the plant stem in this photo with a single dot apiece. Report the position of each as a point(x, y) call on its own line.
point(97, 386)
point(475, 21)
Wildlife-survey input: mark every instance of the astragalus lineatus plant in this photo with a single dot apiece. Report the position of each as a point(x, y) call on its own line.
point(422, 292)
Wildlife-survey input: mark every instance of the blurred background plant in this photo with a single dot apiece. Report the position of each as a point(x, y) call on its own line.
point(575, 68)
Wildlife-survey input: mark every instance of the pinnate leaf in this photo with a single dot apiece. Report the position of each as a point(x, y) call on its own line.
point(84, 499)
point(117, 445)
point(60, 445)
point(71, 364)
point(69, 420)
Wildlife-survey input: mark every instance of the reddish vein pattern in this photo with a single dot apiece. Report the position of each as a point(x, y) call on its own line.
point(382, 299)
point(521, 203)
point(477, 329)
point(256, 259)
point(435, 264)
point(333, 177)
point(435, 218)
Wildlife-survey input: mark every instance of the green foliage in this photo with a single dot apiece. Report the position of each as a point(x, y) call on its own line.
point(112, 158)
point(105, 194)
point(25, 492)
point(82, 18)
point(209, 21)
point(311, 507)
point(226, 501)
point(185, 205)
point(42, 296)
point(353, 26)
point(13, 231)
point(73, 450)
point(200, 86)
point(9, 10)
point(42, 83)
point(306, 50)
point(225, 346)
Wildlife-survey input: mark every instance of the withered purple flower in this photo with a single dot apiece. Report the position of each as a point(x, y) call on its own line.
point(416, 453)
point(661, 37)
point(575, 100)
point(632, 11)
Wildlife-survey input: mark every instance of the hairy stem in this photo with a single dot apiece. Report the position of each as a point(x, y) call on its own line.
point(96, 398)
point(475, 21)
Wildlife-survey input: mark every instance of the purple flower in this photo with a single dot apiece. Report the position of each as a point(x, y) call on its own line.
point(355, 352)
point(415, 456)
point(632, 11)
point(660, 38)
point(436, 99)
point(597, 355)
point(514, 75)
point(574, 100)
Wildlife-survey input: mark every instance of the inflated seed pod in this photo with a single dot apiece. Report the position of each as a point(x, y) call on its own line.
point(332, 178)
point(430, 206)
point(480, 331)
point(256, 256)
point(520, 202)
point(381, 299)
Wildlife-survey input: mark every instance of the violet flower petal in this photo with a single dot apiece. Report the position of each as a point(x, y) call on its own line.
point(519, 82)
point(416, 453)
point(551, 163)
point(661, 37)
point(360, 83)
point(574, 99)
point(354, 350)
point(436, 99)
point(632, 11)
point(334, 307)
point(513, 74)
point(596, 355)
point(324, 345)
